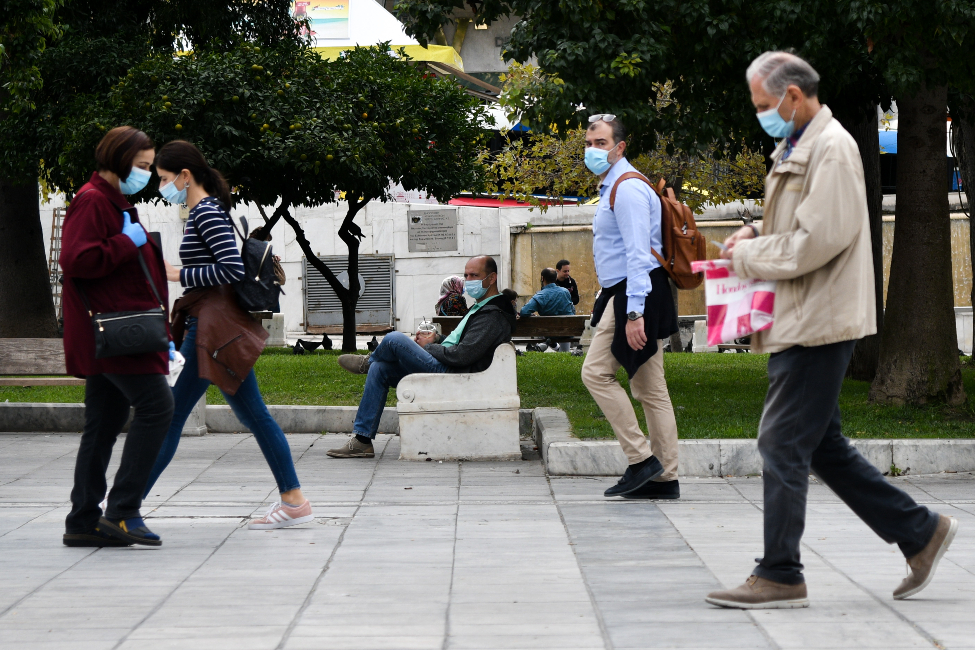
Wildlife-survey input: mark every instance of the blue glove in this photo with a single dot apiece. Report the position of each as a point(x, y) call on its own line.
point(172, 351)
point(133, 231)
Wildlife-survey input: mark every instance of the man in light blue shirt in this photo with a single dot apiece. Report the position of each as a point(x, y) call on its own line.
point(634, 312)
point(551, 300)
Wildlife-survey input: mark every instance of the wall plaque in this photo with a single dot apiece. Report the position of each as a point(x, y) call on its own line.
point(432, 230)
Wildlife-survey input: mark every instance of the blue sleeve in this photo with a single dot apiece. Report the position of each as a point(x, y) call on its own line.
point(637, 211)
point(530, 306)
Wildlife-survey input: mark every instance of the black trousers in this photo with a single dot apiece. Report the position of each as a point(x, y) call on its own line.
point(799, 431)
point(107, 401)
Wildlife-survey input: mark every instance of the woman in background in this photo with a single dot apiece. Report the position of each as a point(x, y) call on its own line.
point(452, 302)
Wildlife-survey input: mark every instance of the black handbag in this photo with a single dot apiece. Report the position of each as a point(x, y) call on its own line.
point(124, 333)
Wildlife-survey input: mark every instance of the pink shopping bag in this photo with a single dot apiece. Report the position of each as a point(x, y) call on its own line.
point(737, 306)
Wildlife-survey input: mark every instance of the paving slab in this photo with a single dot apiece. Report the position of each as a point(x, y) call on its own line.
point(450, 555)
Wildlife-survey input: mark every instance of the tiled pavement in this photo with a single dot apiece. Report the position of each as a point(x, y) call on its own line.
point(448, 555)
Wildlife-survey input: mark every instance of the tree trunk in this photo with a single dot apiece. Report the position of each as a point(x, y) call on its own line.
point(351, 234)
point(348, 345)
point(866, 355)
point(919, 350)
point(26, 305)
point(963, 141)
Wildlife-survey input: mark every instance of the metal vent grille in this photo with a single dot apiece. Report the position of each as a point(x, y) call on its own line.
point(375, 306)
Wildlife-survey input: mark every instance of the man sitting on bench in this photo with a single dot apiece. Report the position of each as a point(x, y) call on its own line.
point(469, 348)
point(551, 300)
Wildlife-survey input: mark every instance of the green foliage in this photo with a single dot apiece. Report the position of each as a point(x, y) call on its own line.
point(26, 26)
point(283, 123)
point(610, 56)
point(90, 45)
point(553, 163)
point(917, 43)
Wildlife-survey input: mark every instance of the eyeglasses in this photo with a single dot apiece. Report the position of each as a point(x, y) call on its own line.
point(605, 117)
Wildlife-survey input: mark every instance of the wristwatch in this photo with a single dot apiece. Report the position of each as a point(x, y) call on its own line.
point(634, 315)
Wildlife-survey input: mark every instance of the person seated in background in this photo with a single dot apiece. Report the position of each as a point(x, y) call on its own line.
point(468, 348)
point(451, 302)
point(512, 295)
point(565, 280)
point(551, 300)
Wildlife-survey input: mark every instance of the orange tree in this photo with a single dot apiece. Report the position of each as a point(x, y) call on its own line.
point(289, 129)
point(59, 57)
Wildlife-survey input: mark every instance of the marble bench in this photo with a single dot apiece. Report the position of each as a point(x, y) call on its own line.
point(469, 416)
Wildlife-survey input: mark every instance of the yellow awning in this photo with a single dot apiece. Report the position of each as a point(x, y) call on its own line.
point(439, 53)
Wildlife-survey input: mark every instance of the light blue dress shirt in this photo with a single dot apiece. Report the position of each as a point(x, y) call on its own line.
point(552, 300)
point(621, 240)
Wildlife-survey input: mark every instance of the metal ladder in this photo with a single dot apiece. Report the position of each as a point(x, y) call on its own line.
point(54, 272)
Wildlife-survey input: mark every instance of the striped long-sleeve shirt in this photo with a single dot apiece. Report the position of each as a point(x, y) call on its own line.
point(209, 251)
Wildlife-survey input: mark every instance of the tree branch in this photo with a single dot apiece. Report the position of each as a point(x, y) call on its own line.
point(319, 265)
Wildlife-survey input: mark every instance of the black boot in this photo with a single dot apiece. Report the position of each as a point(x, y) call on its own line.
point(657, 490)
point(636, 476)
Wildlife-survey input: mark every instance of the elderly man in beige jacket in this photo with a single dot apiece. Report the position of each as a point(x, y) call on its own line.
point(815, 241)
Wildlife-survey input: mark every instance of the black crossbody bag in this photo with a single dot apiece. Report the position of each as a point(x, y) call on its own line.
point(122, 333)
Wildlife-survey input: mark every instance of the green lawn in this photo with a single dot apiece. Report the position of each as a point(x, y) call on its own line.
point(715, 395)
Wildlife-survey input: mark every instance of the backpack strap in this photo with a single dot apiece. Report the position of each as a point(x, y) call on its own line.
point(658, 188)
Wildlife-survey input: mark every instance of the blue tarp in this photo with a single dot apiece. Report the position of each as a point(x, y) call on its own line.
point(888, 141)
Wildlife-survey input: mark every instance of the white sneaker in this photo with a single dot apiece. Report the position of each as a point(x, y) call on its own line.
point(281, 515)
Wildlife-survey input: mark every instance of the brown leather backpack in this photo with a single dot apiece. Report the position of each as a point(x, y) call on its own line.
point(682, 243)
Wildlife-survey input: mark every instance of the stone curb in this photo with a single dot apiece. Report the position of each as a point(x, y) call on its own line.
point(562, 454)
point(39, 417)
point(565, 455)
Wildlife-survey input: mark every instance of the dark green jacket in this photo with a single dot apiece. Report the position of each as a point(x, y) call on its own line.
point(488, 328)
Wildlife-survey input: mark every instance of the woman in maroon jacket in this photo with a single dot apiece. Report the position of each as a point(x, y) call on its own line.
point(101, 243)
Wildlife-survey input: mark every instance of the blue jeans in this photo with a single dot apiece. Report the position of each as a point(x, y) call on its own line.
point(247, 404)
point(397, 356)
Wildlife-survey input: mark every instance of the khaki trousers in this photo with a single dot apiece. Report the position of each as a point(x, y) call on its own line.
point(649, 387)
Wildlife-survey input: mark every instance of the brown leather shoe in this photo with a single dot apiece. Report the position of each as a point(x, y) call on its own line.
point(355, 363)
point(352, 449)
point(923, 564)
point(759, 593)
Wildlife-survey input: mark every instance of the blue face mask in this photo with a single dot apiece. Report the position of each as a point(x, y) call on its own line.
point(171, 194)
point(138, 178)
point(475, 289)
point(597, 160)
point(774, 124)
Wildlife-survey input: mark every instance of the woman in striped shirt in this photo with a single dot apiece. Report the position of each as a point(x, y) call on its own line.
point(210, 258)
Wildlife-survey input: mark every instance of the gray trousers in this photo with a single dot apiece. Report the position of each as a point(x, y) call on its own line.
point(799, 431)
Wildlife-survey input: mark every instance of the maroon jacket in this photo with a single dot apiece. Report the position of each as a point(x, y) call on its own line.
point(96, 255)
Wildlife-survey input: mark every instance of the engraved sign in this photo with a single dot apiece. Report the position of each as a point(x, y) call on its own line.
point(432, 230)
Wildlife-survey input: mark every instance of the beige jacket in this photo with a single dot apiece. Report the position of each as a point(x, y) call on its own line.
point(815, 241)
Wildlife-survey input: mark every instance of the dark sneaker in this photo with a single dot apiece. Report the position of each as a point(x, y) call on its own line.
point(656, 490)
point(759, 593)
point(93, 538)
point(923, 565)
point(353, 448)
point(133, 531)
point(636, 476)
point(357, 364)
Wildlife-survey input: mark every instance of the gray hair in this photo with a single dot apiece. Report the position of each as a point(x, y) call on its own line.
point(779, 70)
